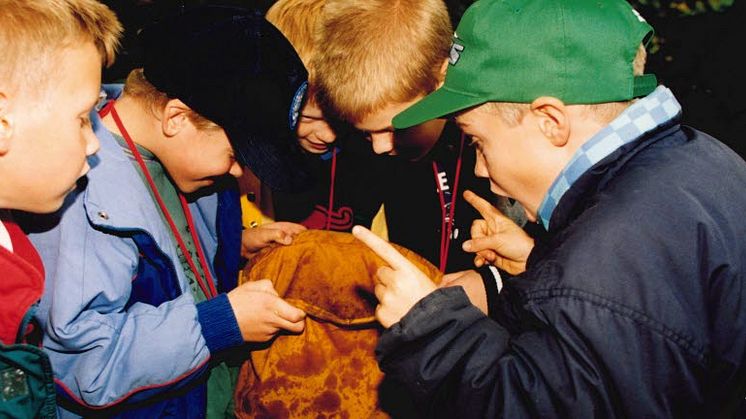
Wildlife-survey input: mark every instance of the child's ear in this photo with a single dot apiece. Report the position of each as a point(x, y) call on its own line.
point(6, 124)
point(553, 119)
point(174, 117)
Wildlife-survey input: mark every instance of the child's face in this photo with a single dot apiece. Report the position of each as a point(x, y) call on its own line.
point(49, 132)
point(314, 133)
point(411, 143)
point(196, 157)
point(512, 157)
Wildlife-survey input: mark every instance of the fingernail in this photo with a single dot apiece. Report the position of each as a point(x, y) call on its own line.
point(466, 246)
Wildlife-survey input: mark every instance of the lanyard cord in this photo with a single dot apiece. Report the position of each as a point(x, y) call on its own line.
point(208, 290)
point(331, 189)
point(447, 220)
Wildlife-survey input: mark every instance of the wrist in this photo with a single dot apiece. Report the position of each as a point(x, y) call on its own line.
point(219, 325)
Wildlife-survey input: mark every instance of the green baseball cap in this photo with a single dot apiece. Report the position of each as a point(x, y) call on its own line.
point(579, 51)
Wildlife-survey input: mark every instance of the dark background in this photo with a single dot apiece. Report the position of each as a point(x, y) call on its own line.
point(696, 52)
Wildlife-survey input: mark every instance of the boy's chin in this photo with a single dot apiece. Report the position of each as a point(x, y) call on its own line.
point(193, 187)
point(411, 153)
point(46, 207)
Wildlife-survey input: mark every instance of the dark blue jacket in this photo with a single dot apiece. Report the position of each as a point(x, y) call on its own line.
point(633, 305)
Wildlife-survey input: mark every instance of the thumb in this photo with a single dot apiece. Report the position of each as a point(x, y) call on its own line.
point(477, 244)
point(277, 236)
point(284, 238)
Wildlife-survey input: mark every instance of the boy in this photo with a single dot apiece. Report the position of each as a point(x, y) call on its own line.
point(365, 75)
point(142, 306)
point(45, 136)
point(630, 306)
point(347, 174)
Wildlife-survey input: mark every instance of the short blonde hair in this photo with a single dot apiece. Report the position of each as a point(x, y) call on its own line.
point(32, 31)
point(512, 113)
point(298, 20)
point(373, 53)
point(140, 89)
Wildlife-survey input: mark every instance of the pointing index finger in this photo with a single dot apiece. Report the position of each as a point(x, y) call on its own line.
point(381, 247)
point(480, 204)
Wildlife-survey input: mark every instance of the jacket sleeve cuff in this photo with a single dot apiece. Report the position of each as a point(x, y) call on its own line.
point(492, 280)
point(219, 325)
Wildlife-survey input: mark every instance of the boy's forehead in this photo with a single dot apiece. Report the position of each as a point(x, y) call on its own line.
point(465, 118)
point(72, 73)
point(380, 120)
point(375, 122)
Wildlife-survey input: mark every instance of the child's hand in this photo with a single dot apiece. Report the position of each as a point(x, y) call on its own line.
point(261, 313)
point(496, 239)
point(400, 285)
point(256, 239)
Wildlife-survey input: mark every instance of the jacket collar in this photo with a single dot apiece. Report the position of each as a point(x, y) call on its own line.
point(112, 195)
point(645, 116)
point(580, 195)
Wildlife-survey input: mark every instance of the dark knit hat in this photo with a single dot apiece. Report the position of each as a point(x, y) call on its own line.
point(236, 69)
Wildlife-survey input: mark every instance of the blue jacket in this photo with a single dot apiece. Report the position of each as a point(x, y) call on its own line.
point(121, 327)
point(634, 305)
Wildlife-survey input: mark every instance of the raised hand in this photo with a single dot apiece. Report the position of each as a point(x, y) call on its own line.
point(496, 239)
point(400, 285)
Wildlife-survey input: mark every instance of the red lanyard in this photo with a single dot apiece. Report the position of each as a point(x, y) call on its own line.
point(209, 290)
point(447, 219)
point(331, 189)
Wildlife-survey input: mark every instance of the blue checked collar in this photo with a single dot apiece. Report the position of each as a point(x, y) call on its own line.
point(641, 117)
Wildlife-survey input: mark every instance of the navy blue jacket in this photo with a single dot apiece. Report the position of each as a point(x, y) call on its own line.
point(633, 305)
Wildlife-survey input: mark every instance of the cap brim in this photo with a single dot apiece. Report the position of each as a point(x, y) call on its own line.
point(435, 105)
point(274, 161)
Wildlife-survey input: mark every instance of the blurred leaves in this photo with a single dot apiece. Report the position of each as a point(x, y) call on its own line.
point(683, 8)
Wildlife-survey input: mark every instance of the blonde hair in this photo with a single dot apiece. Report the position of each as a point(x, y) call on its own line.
point(373, 53)
point(32, 31)
point(139, 88)
point(512, 113)
point(299, 21)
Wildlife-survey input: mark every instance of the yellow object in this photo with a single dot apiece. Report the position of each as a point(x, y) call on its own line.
point(330, 369)
point(251, 215)
point(378, 225)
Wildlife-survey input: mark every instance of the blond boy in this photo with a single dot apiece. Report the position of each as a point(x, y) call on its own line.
point(50, 73)
point(378, 58)
point(347, 174)
point(298, 20)
point(143, 307)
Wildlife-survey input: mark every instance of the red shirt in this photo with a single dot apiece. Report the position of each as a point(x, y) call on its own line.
point(21, 282)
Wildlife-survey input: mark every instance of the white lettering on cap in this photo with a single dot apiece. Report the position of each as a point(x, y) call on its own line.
point(455, 53)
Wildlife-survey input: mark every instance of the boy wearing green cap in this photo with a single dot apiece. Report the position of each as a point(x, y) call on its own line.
point(631, 305)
